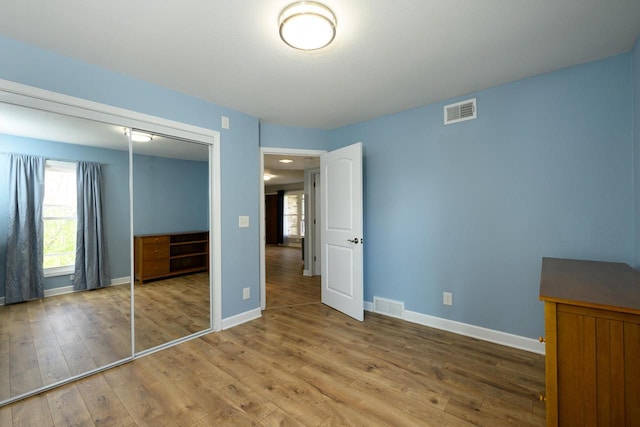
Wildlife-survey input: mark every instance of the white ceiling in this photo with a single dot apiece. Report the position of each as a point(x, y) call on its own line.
point(288, 173)
point(388, 56)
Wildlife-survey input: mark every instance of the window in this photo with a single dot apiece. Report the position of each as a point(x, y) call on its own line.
point(294, 214)
point(59, 214)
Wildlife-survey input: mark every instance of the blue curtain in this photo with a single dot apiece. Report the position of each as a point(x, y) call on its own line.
point(25, 274)
point(92, 263)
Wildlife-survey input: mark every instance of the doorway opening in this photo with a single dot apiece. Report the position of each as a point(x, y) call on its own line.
point(289, 227)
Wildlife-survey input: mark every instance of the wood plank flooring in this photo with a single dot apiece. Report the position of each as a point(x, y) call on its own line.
point(49, 340)
point(306, 365)
point(170, 309)
point(286, 286)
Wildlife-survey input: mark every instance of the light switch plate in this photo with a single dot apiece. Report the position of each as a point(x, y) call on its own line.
point(243, 221)
point(225, 122)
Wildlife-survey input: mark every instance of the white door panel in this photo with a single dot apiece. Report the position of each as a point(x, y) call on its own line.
point(342, 228)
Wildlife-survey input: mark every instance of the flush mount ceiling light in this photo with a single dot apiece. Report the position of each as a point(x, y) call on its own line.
point(285, 161)
point(307, 25)
point(267, 177)
point(137, 136)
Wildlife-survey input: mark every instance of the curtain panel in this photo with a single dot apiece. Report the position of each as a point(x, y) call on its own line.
point(24, 270)
point(92, 261)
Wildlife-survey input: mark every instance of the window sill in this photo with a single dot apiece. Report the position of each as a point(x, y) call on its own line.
point(59, 271)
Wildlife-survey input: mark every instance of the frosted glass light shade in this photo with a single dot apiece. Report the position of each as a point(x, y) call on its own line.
point(137, 136)
point(307, 25)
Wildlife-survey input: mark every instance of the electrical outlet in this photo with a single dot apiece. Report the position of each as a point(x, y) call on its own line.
point(447, 298)
point(246, 293)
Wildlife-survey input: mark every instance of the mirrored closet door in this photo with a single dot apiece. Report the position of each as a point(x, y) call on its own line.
point(65, 285)
point(171, 238)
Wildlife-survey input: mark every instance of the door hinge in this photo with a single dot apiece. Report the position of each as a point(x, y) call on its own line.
point(314, 221)
point(314, 258)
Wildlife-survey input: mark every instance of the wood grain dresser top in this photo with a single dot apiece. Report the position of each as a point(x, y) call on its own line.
point(596, 284)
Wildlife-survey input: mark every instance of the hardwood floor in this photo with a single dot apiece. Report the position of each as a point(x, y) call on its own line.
point(170, 309)
point(49, 340)
point(306, 365)
point(286, 286)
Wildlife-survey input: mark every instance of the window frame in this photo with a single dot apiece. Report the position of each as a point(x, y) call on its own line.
point(68, 167)
point(299, 214)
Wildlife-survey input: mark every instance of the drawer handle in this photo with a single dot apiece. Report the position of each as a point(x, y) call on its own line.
point(542, 398)
point(542, 339)
point(156, 251)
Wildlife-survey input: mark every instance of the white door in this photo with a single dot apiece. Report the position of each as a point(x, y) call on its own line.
point(342, 229)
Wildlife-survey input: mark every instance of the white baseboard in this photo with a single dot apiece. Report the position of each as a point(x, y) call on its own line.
point(485, 334)
point(69, 289)
point(121, 281)
point(241, 318)
point(306, 273)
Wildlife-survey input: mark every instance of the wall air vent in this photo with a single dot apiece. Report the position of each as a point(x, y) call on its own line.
point(460, 111)
point(388, 307)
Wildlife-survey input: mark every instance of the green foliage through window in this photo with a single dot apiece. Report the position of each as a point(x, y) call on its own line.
point(59, 214)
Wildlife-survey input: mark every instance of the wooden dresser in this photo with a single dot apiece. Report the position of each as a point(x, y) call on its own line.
point(164, 255)
point(592, 327)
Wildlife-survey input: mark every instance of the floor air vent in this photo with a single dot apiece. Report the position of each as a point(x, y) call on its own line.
point(460, 111)
point(388, 307)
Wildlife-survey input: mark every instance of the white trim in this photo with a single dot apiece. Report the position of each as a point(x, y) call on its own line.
point(238, 319)
point(63, 270)
point(473, 331)
point(263, 235)
point(29, 96)
point(120, 281)
point(215, 240)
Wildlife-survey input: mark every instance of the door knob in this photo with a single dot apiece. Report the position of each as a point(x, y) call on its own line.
point(356, 241)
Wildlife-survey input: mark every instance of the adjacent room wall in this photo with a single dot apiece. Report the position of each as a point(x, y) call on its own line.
point(471, 208)
point(115, 172)
point(32, 66)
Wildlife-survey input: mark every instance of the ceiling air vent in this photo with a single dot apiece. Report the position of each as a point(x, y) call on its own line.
point(460, 111)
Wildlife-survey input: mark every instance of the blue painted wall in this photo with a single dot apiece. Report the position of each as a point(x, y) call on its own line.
point(169, 195)
point(116, 197)
point(32, 66)
point(471, 208)
point(635, 55)
point(293, 137)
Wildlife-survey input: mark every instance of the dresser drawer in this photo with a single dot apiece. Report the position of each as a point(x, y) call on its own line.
point(147, 240)
point(155, 251)
point(154, 268)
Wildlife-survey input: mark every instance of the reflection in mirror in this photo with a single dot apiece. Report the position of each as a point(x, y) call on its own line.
point(171, 239)
point(65, 288)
